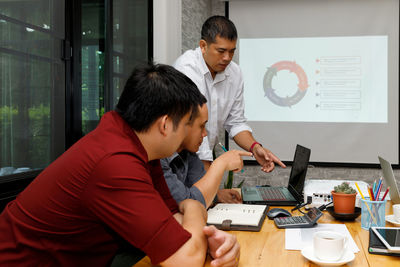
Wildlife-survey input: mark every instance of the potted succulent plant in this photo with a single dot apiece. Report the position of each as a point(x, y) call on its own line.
point(344, 198)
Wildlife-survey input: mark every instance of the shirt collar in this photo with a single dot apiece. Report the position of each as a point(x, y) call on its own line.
point(172, 157)
point(181, 155)
point(203, 67)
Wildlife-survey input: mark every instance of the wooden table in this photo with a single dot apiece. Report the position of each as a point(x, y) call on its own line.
point(267, 247)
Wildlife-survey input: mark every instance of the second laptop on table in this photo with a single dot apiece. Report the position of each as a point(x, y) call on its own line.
point(390, 180)
point(282, 196)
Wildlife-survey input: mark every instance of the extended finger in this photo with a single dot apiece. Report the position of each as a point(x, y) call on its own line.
point(277, 160)
point(245, 153)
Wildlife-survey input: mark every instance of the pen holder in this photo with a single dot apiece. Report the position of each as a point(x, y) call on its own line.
point(372, 213)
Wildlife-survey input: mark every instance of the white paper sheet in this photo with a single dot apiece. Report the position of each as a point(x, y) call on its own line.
point(299, 238)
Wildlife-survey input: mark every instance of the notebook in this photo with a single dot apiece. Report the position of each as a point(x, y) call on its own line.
point(237, 217)
point(390, 180)
point(282, 196)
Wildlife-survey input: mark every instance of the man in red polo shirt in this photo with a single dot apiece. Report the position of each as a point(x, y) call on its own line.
point(109, 187)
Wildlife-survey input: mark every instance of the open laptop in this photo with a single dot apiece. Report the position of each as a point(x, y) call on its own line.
point(282, 196)
point(390, 180)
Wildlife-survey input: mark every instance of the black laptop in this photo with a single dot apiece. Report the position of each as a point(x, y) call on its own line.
point(282, 196)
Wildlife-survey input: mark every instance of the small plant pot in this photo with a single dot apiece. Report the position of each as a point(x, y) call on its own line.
point(344, 203)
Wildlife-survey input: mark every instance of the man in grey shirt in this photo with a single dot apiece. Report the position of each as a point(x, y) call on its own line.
point(185, 173)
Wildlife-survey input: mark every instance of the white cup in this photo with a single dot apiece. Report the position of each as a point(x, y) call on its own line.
point(329, 246)
point(396, 212)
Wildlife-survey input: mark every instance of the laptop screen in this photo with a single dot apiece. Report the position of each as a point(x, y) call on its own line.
point(299, 171)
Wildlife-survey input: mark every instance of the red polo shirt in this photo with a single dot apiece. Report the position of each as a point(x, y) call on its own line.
point(101, 188)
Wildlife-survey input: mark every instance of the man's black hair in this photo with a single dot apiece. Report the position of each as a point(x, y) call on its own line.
point(156, 90)
point(218, 26)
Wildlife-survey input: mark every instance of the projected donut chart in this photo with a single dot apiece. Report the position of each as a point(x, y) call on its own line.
point(287, 101)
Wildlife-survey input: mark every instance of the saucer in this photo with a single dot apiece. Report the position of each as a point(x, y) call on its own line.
point(308, 253)
point(390, 218)
point(344, 216)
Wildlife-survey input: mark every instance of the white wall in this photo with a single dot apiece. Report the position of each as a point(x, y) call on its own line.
point(167, 19)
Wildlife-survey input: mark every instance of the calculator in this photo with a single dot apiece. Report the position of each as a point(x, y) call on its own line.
point(305, 221)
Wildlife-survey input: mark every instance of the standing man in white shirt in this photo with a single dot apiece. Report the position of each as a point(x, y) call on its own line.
point(219, 79)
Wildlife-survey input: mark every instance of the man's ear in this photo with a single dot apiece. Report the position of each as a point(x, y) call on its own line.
point(203, 46)
point(163, 125)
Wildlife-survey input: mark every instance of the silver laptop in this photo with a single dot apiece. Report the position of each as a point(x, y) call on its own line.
point(390, 180)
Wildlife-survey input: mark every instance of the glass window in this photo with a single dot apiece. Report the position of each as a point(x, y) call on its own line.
point(32, 84)
point(128, 46)
point(33, 72)
point(93, 40)
point(130, 40)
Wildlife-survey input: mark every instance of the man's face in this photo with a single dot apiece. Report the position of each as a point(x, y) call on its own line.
point(197, 131)
point(219, 54)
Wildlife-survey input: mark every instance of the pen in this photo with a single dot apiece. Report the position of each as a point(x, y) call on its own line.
point(223, 148)
point(384, 195)
point(373, 189)
point(359, 191)
point(378, 188)
point(366, 204)
point(379, 192)
point(371, 195)
point(226, 150)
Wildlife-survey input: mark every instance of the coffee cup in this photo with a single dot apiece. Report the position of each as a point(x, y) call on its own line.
point(396, 212)
point(329, 246)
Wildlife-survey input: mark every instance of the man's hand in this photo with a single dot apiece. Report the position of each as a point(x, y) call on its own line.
point(233, 159)
point(266, 158)
point(229, 196)
point(223, 247)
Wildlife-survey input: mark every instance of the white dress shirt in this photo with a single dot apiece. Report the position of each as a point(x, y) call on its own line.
point(224, 96)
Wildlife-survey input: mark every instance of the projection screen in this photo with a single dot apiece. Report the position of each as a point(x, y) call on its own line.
point(323, 74)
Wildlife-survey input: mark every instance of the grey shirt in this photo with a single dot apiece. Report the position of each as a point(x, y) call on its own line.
point(181, 172)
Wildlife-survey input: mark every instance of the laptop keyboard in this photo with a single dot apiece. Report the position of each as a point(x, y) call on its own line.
point(270, 193)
